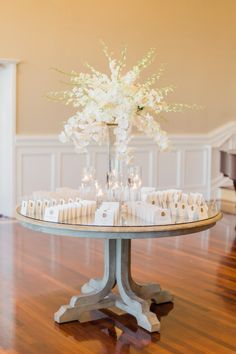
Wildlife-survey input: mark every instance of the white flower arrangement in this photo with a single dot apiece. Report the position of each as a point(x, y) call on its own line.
point(117, 99)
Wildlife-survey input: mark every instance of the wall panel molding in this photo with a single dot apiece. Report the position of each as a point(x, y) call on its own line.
point(192, 165)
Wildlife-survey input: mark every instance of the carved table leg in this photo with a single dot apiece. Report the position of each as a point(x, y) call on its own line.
point(152, 291)
point(129, 301)
point(109, 257)
point(97, 298)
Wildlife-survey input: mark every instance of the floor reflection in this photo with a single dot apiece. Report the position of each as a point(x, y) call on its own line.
point(119, 332)
point(227, 292)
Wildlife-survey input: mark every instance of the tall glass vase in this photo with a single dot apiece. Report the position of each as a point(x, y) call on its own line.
point(123, 183)
point(115, 164)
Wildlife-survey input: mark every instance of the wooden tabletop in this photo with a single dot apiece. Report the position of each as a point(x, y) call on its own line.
point(117, 232)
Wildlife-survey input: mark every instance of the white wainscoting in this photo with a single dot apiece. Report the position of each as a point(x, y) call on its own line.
point(43, 163)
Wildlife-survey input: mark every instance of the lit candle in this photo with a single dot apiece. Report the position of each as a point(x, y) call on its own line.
point(85, 178)
point(99, 196)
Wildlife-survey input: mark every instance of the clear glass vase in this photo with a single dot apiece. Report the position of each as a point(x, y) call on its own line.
point(115, 164)
point(123, 183)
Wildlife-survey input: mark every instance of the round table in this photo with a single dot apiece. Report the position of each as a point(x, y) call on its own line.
point(133, 298)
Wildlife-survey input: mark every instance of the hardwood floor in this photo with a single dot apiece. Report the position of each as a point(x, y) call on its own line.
point(38, 273)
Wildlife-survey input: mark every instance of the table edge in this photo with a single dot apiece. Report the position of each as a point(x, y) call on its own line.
point(120, 229)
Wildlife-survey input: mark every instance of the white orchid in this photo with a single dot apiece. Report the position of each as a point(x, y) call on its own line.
point(118, 99)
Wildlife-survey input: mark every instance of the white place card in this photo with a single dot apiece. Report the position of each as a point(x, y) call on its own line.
point(184, 198)
point(192, 211)
point(51, 214)
point(39, 208)
point(46, 204)
point(152, 199)
point(162, 216)
point(173, 194)
point(53, 202)
point(196, 198)
point(107, 214)
point(78, 207)
point(24, 207)
point(105, 217)
point(202, 212)
point(31, 208)
point(62, 201)
point(177, 196)
point(146, 192)
point(182, 209)
point(174, 208)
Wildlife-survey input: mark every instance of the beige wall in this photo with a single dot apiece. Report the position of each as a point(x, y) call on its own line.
point(196, 38)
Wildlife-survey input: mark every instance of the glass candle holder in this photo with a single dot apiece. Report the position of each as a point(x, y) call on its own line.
point(134, 178)
point(88, 175)
point(87, 187)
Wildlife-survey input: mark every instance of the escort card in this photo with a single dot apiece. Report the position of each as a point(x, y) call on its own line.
point(51, 214)
point(31, 208)
point(192, 211)
point(196, 198)
point(149, 212)
point(53, 202)
point(46, 204)
point(174, 208)
point(39, 209)
point(184, 198)
point(62, 201)
point(152, 199)
point(202, 212)
point(145, 191)
point(24, 207)
point(105, 217)
point(182, 209)
point(162, 216)
point(107, 214)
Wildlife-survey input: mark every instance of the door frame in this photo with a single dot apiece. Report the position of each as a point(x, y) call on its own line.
point(8, 77)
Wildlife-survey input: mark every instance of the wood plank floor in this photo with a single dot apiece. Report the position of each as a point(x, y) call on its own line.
point(38, 273)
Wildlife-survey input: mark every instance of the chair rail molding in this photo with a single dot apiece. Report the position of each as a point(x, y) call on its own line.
point(42, 162)
point(8, 68)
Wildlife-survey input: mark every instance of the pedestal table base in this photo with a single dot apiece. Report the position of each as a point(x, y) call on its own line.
point(133, 298)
